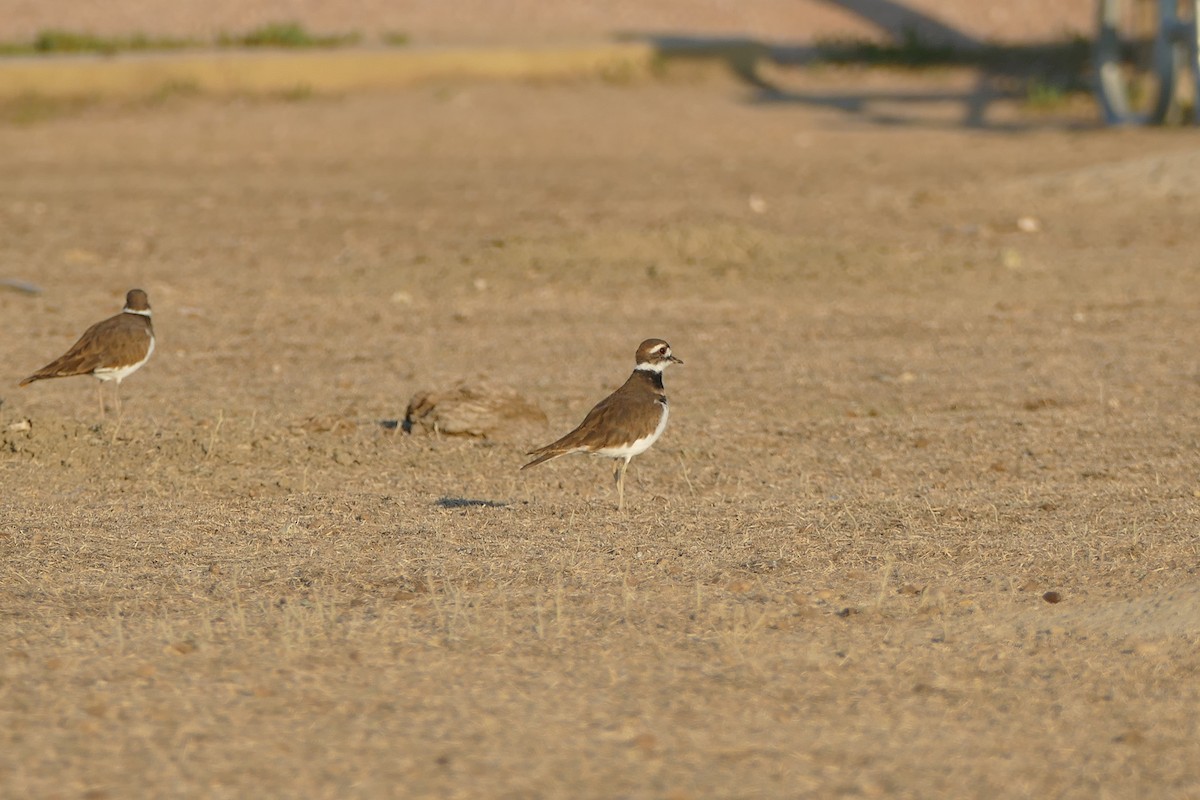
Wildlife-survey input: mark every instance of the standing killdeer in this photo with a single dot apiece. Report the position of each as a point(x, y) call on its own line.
point(625, 423)
point(111, 350)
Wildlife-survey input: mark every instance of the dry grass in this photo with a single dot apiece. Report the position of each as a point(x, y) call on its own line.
point(901, 421)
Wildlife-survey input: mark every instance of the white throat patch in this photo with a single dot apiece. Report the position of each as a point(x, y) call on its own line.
point(144, 313)
point(648, 367)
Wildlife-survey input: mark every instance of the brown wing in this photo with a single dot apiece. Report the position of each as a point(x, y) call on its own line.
point(616, 420)
point(114, 342)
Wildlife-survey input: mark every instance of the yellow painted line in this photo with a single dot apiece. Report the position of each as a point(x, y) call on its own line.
point(226, 72)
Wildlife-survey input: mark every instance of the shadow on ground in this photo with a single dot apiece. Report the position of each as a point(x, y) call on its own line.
point(1042, 73)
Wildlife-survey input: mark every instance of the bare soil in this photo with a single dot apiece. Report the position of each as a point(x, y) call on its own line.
point(933, 373)
point(438, 22)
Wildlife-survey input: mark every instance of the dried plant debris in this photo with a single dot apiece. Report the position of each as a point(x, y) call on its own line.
point(482, 409)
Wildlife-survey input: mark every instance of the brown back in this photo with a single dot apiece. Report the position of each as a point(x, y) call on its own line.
point(628, 414)
point(115, 342)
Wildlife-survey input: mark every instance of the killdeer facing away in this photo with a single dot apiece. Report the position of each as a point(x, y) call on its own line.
point(625, 423)
point(111, 350)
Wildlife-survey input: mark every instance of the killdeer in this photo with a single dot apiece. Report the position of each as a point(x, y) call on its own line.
point(625, 423)
point(111, 350)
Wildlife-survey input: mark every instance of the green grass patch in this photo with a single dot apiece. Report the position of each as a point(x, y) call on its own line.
point(279, 34)
point(911, 52)
point(61, 42)
point(1048, 74)
point(1070, 55)
point(287, 34)
point(1041, 95)
point(396, 39)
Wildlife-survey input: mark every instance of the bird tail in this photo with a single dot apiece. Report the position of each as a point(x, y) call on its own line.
point(65, 366)
point(544, 454)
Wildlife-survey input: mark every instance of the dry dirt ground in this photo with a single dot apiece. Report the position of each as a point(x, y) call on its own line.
point(933, 373)
point(439, 22)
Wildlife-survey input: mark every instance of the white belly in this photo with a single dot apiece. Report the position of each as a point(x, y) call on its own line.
point(638, 446)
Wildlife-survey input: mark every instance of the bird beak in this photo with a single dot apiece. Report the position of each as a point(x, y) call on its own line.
point(675, 360)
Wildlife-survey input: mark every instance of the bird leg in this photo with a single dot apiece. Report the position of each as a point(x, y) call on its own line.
point(100, 397)
point(619, 474)
point(117, 407)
